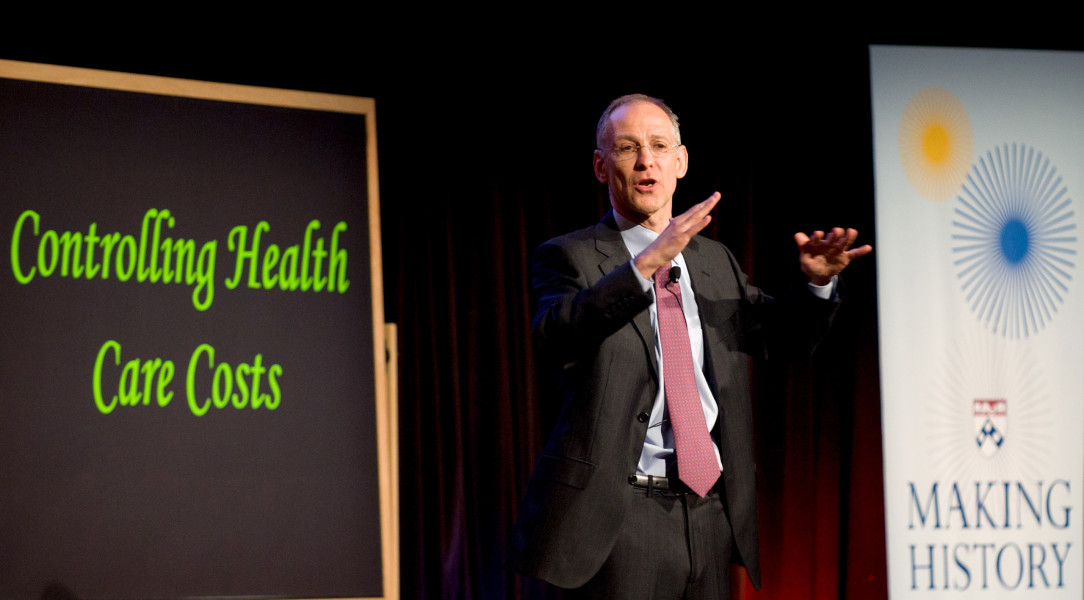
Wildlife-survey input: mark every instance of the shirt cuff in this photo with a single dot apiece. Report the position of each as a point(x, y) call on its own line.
point(646, 284)
point(824, 292)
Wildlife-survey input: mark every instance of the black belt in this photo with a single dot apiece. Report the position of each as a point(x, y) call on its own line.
point(661, 484)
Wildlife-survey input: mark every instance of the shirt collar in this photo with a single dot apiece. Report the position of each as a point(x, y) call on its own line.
point(636, 236)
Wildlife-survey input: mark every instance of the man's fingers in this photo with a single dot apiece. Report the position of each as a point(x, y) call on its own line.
point(862, 251)
point(814, 239)
point(846, 239)
point(699, 210)
point(697, 227)
point(837, 236)
point(694, 220)
point(708, 204)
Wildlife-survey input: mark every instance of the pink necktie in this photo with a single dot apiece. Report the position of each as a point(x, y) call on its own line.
point(696, 462)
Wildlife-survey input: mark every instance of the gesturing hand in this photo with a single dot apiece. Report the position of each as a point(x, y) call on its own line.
point(822, 256)
point(675, 237)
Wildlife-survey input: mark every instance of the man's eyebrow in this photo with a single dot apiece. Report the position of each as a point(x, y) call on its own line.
point(635, 138)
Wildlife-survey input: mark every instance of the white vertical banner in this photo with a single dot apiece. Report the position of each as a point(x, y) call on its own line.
point(979, 165)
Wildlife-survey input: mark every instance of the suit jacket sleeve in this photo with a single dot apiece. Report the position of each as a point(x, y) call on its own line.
point(574, 314)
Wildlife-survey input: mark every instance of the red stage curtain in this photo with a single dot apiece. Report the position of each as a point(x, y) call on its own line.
point(461, 218)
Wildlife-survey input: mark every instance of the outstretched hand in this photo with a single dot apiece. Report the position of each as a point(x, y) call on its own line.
point(822, 257)
point(675, 237)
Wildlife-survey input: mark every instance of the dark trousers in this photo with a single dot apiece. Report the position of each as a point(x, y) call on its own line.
point(670, 547)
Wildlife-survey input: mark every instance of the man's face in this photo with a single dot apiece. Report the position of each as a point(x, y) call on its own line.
point(641, 187)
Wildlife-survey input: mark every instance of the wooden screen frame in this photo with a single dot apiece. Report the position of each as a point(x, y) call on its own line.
point(384, 343)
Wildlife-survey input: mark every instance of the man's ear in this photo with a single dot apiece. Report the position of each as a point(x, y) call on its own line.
point(682, 161)
point(600, 167)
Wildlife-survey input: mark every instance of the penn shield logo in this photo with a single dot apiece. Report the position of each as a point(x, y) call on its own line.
point(966, 426)
point(991, 421)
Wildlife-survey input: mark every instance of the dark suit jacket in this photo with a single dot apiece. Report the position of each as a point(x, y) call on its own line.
point(593, 333)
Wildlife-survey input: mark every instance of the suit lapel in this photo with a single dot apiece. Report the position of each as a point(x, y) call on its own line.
point(702, 280)
point(693, 262)
point(614, 254)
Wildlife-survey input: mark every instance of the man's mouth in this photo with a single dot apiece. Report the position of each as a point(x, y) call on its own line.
point(645, 185)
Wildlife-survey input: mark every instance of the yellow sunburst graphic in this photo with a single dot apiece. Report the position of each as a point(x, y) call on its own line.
point(936, 143)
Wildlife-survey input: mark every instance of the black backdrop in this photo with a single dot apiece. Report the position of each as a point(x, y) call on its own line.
point(485, 144)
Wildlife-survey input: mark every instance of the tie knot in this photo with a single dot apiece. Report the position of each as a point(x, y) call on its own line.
point(666, 278)
point(662, 275)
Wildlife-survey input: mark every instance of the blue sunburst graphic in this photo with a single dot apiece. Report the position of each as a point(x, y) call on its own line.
point(1015, 240)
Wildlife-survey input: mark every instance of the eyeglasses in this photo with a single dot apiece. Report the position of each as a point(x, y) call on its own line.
point(629, 150)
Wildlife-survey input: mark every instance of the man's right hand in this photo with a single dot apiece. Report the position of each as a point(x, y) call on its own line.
point(675, 237)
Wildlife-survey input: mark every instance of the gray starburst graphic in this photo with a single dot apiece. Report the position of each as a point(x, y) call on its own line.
point(1014, 236)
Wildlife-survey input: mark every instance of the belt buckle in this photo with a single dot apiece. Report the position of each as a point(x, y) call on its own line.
point(654, 483)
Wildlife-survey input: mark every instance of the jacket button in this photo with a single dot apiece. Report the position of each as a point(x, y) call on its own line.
point(643, 417)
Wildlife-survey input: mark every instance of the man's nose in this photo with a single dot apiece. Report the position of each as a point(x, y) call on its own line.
point(644, 157)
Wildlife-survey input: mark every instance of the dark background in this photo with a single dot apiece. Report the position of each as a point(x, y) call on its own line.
point(485, 138)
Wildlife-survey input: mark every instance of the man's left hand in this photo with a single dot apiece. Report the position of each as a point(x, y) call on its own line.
point(822, 257)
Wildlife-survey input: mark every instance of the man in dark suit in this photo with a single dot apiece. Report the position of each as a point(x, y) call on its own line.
point(631, 497)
